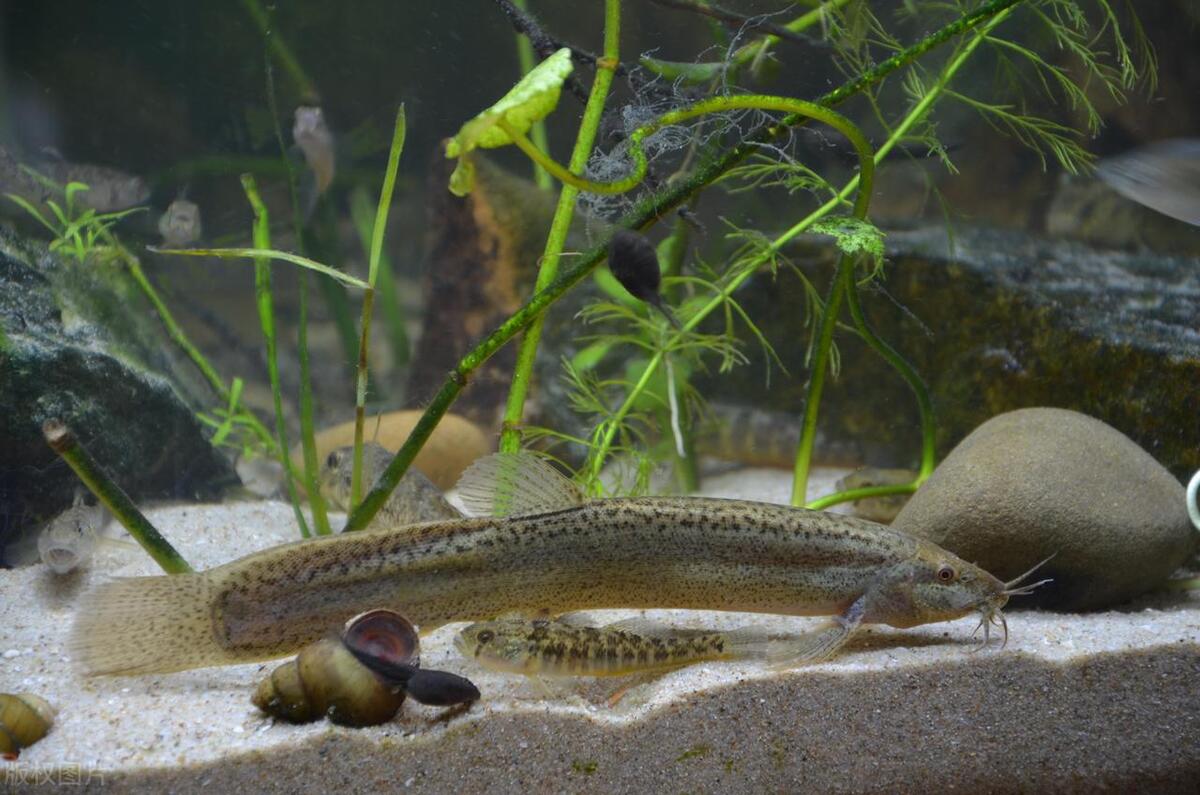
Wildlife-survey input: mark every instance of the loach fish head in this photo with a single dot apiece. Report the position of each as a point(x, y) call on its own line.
point(504, 645)
point(936, 585)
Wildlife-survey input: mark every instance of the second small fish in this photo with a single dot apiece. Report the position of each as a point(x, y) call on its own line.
point(559, 648)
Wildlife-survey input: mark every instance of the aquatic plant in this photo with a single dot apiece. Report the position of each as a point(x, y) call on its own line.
point(925, 87)
point(77, 230)
point(759, 158)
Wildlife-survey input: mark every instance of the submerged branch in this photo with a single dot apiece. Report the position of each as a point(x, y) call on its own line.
point(63, 441)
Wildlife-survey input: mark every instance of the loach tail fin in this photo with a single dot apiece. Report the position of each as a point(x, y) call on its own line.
point(145, 625)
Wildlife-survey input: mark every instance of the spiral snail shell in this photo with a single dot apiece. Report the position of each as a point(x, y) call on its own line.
point(327, 680)
point(24, 719)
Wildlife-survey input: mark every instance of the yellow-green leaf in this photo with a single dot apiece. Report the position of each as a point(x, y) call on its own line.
point(530, 100)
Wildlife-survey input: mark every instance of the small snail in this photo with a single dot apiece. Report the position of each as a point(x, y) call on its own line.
point(359, 678)
point(24, 719)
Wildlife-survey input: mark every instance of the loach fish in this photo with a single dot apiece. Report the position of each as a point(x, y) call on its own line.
point(314, 138)
point(549, 647)
point(414, 500)
point(109, 190)
point(70, 539)
point(536, 545)
point(180, 225)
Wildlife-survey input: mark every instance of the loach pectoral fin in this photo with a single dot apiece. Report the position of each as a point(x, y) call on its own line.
point(820, 643)
point(512, 484)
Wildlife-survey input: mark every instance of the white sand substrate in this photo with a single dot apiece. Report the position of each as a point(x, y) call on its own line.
point(1072, 703)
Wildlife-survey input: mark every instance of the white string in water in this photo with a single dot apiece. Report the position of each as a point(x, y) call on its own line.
point(674, 404)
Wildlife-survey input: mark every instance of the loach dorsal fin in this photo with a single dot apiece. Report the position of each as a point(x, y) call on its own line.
point(512, 484)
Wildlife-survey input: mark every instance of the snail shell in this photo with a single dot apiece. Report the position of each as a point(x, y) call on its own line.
point(327, 679)
point(24, 719)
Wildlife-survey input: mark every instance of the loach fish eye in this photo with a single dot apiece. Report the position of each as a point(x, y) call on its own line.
point(486, 636)
point(332, 460)
point(946, 574)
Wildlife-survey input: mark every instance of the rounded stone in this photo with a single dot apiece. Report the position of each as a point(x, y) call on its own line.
point(1041, 481)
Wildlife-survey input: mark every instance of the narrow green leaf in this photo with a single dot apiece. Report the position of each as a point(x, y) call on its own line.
point(269, 253)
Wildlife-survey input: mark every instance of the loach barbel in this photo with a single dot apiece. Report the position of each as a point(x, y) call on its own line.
point(543, 550)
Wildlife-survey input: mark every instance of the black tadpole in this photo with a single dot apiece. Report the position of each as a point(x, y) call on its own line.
point(441, 688)
point(634, 262)
point(432, 688)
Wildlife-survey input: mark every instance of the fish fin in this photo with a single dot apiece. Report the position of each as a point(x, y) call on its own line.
point(307, 194)
point(115, 543)
point(749, 642)
point(512, 484)
point(647, 627)
point(821, 643)
point(143, 625)
point(578, 618)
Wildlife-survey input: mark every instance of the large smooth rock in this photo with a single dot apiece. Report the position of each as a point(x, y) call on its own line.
point(80, 343)
point(1038, 482)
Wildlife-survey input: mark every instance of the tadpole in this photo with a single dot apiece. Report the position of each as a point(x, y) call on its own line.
point(634, 262)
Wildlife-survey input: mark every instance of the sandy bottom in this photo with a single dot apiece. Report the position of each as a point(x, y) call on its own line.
point(1072, 703)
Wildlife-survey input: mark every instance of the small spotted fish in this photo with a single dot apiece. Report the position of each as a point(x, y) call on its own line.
point(180, 225)
point(70, 539)
point(554, 647)
point(416, 499)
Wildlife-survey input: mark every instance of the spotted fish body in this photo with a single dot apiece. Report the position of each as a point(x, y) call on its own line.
point(647, 552)
point(556, 648)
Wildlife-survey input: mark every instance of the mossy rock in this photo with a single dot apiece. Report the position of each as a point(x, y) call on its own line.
point(78, 342)
point(1039, 482)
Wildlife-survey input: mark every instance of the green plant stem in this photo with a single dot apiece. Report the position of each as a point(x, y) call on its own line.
point(63, 441)
point(525, 60)
point(304, 86)
point(797, 108)
point(381, 216)
point(177, 335)
point(266, 317)
point(510, 435)
point(308, 445)
point(866, 160)
point(902, 366)
point(642, 215)
point(816, 381)
point(363, 216)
